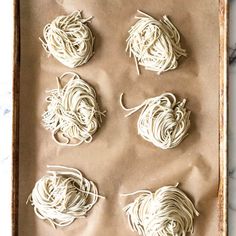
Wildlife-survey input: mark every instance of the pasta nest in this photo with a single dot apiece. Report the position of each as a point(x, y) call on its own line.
point(72, 114)
point(168, 211)
point(154, 44)
point(163, 121)
point(63, 195)
point(69, 39)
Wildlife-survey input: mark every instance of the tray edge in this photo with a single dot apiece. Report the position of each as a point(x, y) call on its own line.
point(223, 114)
point(15, 116)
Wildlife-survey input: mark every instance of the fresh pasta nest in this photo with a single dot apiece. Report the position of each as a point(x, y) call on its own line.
point(168, 211)
point(163, 121)
point(154, 44)
point(69, 39)
point(72, 114)
point(63, 195)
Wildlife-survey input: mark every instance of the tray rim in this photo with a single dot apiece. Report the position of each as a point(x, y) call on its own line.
point(223, 118)
point(15, 118)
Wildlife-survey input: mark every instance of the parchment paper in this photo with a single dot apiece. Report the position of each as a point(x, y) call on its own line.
point(119, 160)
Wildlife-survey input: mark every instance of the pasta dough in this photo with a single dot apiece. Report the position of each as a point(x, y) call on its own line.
point(63, 195)
point(73, 113)
point(69, 39)
point(154, 44)
point(167, 211)
point(163, 121)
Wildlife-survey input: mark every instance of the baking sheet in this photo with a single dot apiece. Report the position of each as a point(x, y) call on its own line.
point(118, 160)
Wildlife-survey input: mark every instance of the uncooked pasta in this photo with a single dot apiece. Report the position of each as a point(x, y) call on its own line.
point(163, 121)
point(154, 44)
point(167, 211)
point(63, 195)
point(72, 114)
point(69, 39)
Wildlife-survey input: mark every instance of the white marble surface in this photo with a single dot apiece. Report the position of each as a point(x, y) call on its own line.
point(5, 121)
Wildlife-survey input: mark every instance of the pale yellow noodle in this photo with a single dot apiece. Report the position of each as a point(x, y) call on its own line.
point(166, 212)
point(154, 44)
point(69, 39)
point(72, 114)
point(163, 121)
point(63, 195)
